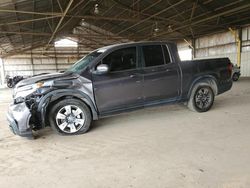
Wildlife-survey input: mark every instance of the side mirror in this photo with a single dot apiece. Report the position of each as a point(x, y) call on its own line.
point(102, 69)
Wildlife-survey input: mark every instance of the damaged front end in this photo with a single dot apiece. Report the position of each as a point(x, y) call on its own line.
point(32, 97)
point(18, 117)
point(22, 114)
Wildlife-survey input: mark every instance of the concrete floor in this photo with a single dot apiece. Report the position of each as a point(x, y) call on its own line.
point(166, 146)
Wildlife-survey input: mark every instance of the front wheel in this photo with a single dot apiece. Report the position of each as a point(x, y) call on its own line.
point(70, 117)
point(201, 99)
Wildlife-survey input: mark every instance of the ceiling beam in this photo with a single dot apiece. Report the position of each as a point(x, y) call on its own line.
point(59, 23)
point(90, 17)
point(100, 43)
point(101, 36)
point(152, 16)
point(34, 7)
point(142, 11)
point(215, 15)
point(193, 10)
point(83, 44)
point(26, 33)
point(184, 12)
point(176, 10)
point(110, 25)
point(145, 15)
point(120, 13)
point(75, 13)
point(106, 11)
point(98, 35)
point(106, 18)
point(60, 6)
point(27, 21)
point(150, 26)
point(31, 12)
point(125, 8)
point(17, 19)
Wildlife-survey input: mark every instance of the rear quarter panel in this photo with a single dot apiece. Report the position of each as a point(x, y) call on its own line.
point(193, 71)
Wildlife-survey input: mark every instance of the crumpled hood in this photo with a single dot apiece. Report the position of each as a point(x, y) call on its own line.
point(45, 77)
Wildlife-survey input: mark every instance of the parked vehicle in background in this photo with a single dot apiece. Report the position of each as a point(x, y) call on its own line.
point(236, 73)
point(12, 81)
point(116, 79)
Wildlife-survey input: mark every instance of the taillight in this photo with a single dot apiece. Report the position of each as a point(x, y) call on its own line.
point(230, 68)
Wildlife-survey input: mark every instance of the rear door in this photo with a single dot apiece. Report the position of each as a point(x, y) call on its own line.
point(121, 88)
point(161, 74)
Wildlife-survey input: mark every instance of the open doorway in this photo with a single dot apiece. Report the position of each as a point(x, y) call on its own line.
point(185, 54)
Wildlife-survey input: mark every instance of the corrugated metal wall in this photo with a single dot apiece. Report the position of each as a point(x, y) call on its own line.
point(23, 65)
point(245, 55)
point(245, 63)
point(224, 45)
point(218, 45)
point(37, 62)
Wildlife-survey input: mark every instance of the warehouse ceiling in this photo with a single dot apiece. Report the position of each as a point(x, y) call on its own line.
point(29, 24)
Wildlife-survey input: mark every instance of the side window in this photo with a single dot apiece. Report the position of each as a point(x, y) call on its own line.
point(153, 55)
point(166, 54)
point(122, 59)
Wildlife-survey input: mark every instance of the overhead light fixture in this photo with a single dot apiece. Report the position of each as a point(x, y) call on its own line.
point(170, 28)
point(82, 23)
point(96, 9)
point(156, 29)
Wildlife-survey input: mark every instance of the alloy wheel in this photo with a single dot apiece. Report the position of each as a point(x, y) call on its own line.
point(203, 98)
point(70, 119)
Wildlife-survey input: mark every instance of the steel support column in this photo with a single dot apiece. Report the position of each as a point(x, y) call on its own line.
point(238, 39)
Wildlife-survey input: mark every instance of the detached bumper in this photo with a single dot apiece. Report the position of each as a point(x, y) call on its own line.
point(18, 117)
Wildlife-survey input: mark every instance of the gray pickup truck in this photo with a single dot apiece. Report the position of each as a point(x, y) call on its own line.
point(115, 79)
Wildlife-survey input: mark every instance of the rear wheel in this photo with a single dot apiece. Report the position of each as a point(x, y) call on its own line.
point(201, 99)
point(70, 117)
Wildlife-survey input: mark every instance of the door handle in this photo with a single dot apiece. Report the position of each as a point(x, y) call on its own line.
point(135, 75)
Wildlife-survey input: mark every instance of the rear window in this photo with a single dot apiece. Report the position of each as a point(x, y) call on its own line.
point(153, 55)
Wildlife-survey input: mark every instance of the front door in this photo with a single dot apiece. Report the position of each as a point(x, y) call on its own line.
point(121, 87)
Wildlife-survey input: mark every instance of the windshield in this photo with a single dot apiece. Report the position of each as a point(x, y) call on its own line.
point(84, 62)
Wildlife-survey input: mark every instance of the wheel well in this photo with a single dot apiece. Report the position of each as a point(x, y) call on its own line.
point(51, 104)
point(211, 82)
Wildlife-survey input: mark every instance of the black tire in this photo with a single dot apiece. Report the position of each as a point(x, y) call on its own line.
point(201, 98)
point(71, 119)
point(235, 77)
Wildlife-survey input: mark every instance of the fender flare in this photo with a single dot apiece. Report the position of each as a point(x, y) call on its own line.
point(57, 94)
point(209, 79)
